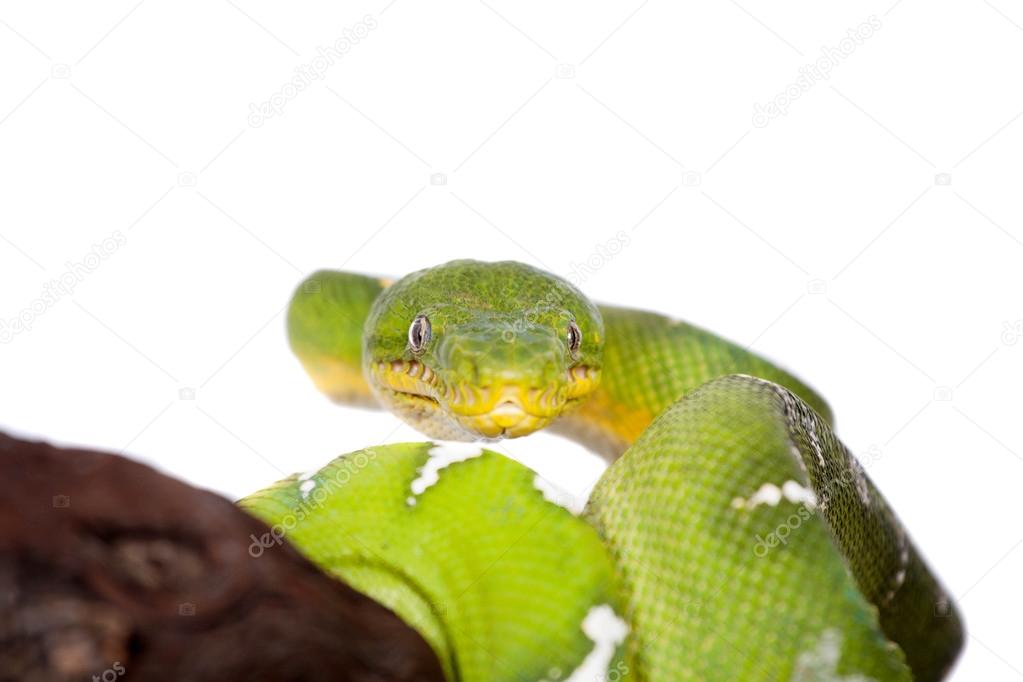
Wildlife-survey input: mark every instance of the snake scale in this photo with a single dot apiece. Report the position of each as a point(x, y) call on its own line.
point(732, 537)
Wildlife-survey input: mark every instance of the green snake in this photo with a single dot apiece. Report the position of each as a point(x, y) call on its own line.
point(732, 537)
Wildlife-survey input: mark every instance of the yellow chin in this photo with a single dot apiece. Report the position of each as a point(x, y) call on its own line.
point(506, 420)
point(467, 412)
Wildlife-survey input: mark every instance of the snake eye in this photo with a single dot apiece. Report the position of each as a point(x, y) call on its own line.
point(575, 337)
point(419, 333)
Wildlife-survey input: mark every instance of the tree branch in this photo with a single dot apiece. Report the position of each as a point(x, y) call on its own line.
point(110, 570)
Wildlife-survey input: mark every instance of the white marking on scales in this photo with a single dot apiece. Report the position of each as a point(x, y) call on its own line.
point(607, 631)
point(556, 495)
point(772, 495)
point(442, 454)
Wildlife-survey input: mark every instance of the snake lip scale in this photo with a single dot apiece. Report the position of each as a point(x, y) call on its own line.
point(506, 409)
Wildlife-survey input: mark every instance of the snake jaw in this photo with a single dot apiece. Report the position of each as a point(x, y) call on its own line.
point(406, 380)
point(466, 411)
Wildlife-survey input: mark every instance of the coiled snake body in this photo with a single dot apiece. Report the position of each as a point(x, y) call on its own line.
point(733, 537)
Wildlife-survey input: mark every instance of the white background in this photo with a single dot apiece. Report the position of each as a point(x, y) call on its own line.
point(825, 239)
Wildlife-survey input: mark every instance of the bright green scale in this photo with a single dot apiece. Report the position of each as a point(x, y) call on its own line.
point(736, 538)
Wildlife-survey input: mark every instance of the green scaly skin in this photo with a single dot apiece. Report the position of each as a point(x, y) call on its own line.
point(746, 542)
point(476, 563)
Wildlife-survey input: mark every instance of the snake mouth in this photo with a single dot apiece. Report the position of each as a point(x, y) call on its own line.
point(407, 380)
point(507, 410)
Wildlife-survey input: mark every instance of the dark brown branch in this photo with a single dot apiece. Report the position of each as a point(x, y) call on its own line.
point(110, 570)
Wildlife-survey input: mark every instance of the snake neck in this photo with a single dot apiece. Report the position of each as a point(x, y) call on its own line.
point(650, 362)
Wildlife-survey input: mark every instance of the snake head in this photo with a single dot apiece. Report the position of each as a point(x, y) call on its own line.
point(470, 350)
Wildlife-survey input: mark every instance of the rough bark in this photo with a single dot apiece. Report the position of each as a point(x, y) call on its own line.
point(111, 570)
